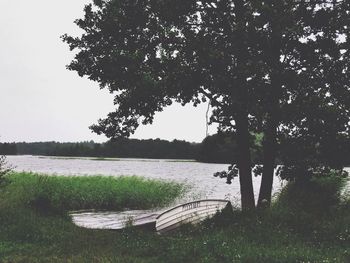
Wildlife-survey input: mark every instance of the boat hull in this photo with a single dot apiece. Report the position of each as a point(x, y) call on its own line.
point(189, 213)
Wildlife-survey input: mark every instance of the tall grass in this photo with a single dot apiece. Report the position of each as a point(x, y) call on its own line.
point(62, 193)
point(317, 209)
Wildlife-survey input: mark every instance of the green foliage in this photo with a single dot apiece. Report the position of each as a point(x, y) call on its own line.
point(63, 193)
point(4, 168)
point(317, 209)
point(276, 62)
point(312, 155)
point(316, 196)
point(27, 235)
point(222, 148)
point(218, 148)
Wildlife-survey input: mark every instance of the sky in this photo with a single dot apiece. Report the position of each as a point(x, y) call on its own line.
point(40, 100)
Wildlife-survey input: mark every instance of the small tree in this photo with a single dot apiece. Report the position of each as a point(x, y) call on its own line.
point(5, 168)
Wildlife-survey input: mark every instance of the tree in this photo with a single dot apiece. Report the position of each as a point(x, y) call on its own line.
point(4, 168)
point(218, 148)
point(247, 57)
point(309, 84)
point(8, 148)
point(222, 148)
point(152, 53)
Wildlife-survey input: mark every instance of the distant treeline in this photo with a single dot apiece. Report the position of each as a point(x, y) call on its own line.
point(218, 148)
point(122, 148)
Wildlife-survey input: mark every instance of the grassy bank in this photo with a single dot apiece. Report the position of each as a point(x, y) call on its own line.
point(62, 193)
point(289, 232)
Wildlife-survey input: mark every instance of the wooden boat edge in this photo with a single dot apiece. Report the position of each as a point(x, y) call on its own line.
point(202, 200)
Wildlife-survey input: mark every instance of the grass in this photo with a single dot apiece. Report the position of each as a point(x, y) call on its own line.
point(63, 193)
point(288, 232)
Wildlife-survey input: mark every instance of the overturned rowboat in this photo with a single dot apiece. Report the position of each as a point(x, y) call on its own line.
point(145, 219)
point(190, 213)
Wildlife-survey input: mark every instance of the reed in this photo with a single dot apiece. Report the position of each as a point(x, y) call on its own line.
point(63, 193)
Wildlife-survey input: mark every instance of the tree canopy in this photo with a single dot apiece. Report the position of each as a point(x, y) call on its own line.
point(274, 67)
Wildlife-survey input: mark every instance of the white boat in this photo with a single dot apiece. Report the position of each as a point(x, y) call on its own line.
point(115, 220)
point(192, 212)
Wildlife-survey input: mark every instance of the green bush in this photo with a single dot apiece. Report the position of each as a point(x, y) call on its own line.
point(4, 168)
point(317, 196)
point(313, 208)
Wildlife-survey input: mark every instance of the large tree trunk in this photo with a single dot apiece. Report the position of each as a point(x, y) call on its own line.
point(244, 164)
point(273, 112)
point(269, 150)
point(241, 101)
point(270, 143)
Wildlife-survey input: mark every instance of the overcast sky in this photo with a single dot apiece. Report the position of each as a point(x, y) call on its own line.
point(42, 101)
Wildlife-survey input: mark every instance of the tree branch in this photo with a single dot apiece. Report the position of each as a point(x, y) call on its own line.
point(210, 96)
